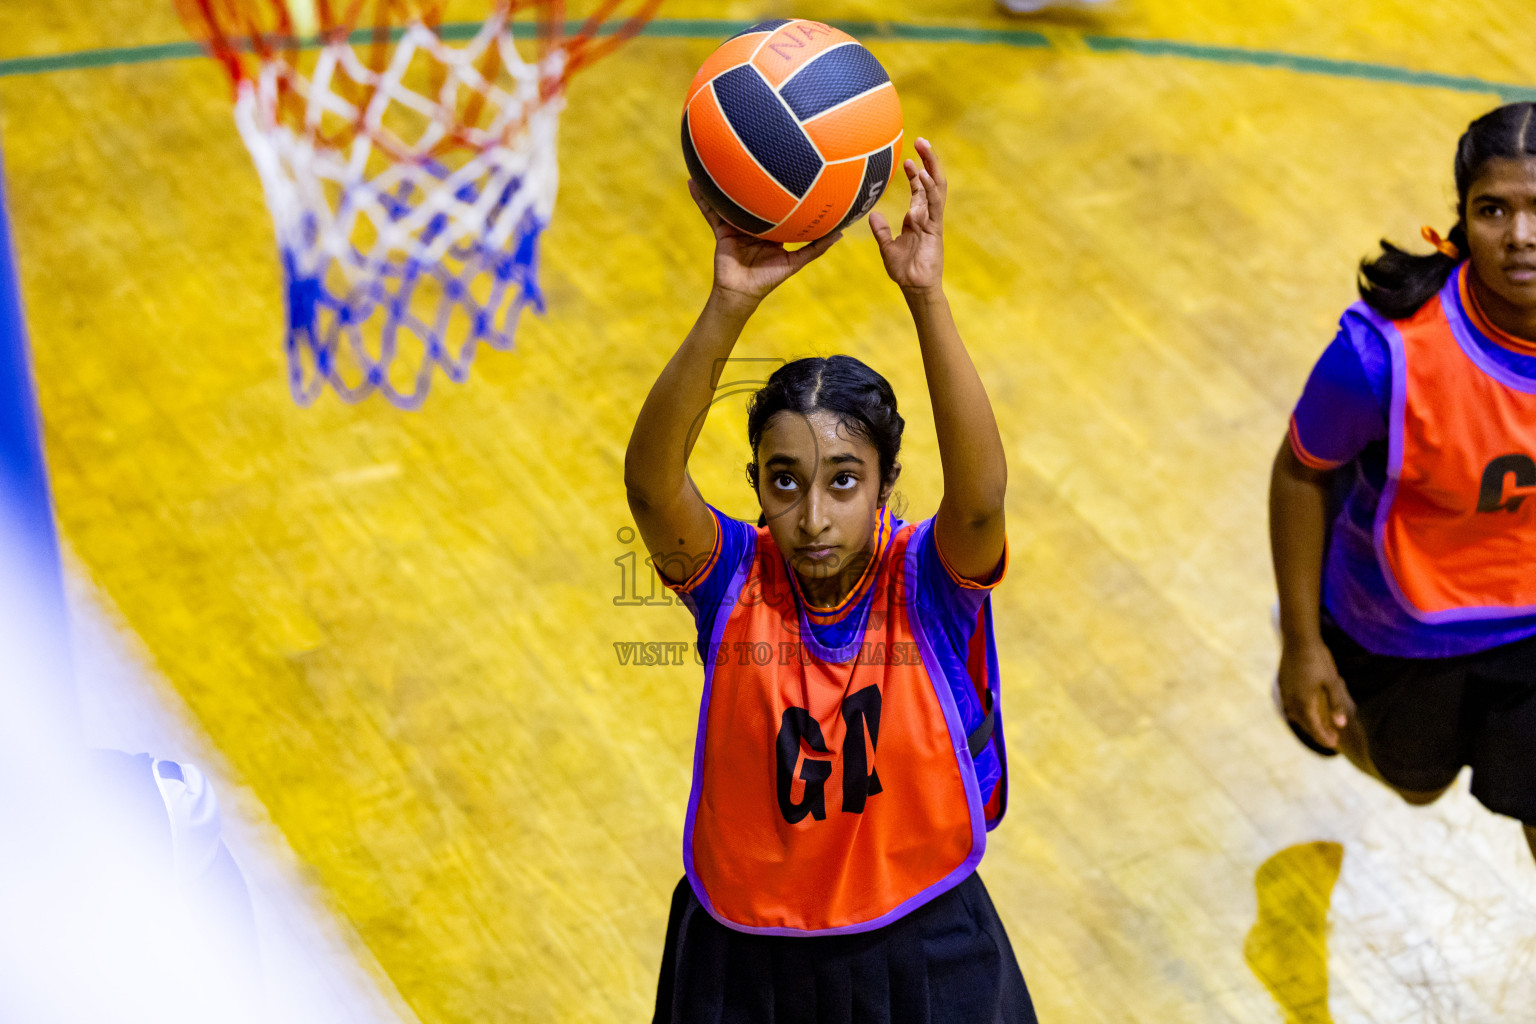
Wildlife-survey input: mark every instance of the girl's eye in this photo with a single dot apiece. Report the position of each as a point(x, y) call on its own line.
point(784, 482)
point(1489, 211)
point(844, 482)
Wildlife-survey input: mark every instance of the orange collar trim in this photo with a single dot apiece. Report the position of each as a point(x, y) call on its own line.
point(826, 616)
point(1480, 320)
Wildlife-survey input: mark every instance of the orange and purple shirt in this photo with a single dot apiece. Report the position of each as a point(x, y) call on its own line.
point(1432, 421)
point(835, 788)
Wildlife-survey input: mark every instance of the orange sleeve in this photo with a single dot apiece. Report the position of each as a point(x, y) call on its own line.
point(965, 582)
point(1305, 457)
point(698, 575)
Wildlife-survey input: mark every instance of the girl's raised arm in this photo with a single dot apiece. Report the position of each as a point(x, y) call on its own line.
point(674, 522)
point(969, 523)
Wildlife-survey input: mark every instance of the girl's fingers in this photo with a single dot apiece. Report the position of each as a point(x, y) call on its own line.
point(926, 198)
point(880, 228)
point(1317, 721)
point(930, 160)
point(919, 202)
point(710, 216)
point(933, 178)
point(1339, 702)
point(934, 196)
point(806, 253)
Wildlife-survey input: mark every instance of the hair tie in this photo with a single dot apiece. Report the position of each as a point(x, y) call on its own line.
point(1446, 248)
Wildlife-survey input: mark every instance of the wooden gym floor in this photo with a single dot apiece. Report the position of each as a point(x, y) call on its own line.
point(399, 629)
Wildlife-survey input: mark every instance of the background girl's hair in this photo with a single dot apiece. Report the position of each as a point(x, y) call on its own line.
point(861, 399)
point(1396, 283)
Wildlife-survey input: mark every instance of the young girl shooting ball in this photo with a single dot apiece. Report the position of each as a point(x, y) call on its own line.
point(1403, 532)
point(843, 785)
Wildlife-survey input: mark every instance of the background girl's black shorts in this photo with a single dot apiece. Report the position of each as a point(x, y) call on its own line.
point(1427, 717)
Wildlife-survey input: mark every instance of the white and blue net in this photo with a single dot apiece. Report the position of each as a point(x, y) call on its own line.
point(408, 229)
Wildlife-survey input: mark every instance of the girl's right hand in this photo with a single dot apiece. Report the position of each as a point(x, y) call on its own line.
point(1312, 693)
point(747, 267)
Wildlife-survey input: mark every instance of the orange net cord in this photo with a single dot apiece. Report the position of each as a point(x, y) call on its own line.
point(235, 32)
point(588, 46)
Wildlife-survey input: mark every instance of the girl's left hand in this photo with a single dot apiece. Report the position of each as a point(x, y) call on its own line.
point(750, 267)
point(915, 258)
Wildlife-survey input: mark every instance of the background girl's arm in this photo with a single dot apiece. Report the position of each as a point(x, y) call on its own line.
point(969, 523)
point(674, 522)
point(1342, 409)
point(1313, 694)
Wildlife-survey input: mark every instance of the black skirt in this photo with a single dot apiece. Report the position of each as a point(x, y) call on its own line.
point(947, 962)
point(1426, 718)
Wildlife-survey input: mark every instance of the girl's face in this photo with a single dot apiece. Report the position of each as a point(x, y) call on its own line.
point(1501, 229)
point(819, 486)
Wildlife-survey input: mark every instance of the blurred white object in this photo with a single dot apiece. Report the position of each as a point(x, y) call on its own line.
point(316, 969)
point(120, 900)
point(194, 815)
point(93, 924)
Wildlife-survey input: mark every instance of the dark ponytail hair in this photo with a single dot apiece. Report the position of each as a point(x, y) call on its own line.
point(861, 399)
point(1396, 283)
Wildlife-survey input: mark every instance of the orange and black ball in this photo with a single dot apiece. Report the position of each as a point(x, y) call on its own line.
point(792, 130)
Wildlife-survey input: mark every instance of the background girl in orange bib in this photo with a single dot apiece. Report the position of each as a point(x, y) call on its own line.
point(1404, 543)
point(849, 759)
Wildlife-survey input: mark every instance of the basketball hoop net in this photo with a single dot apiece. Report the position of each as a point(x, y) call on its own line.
point(408, 179)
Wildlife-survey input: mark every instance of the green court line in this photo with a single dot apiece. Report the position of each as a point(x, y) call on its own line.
point(680, 28)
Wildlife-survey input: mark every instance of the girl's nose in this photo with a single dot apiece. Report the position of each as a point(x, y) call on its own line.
point(1522, 229)
point(813, 513)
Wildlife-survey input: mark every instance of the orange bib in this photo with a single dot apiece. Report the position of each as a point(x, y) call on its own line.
point(1455, 535)
point(833, 790)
